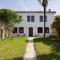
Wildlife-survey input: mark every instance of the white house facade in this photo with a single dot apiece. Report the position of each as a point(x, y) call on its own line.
point(32, 24)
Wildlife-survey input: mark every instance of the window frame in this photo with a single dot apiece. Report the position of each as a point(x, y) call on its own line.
point(28, 18)
point(22, 29)
point(41, 18)
point(46, 19)
point(40, 29)
point(15, 31)
point(46, 30)
point(32, 18)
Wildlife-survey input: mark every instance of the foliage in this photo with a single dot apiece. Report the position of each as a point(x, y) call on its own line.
point(47, 49)
point(9, 18)
point(12, 49)
point(56, 24)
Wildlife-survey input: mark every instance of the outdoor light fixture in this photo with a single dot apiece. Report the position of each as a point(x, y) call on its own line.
point(44, 4)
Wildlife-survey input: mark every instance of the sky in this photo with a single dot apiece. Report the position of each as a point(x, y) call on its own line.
point(29, 5)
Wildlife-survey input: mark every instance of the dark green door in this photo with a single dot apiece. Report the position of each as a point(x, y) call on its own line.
point(30, 31)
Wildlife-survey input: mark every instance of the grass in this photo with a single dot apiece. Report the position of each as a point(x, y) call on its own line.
point(48, 49)
point(12, 49)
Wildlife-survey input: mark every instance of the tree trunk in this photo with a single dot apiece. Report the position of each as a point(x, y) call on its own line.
point(10, 33)
point(2, 34)
point(6, 34)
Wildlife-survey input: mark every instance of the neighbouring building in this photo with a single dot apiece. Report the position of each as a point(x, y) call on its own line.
point(32, 23)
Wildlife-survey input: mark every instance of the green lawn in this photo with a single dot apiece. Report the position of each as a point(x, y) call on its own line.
point(48, 49)
point(12, 49)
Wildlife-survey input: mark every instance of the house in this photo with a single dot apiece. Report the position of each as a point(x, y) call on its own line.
point(32, 23)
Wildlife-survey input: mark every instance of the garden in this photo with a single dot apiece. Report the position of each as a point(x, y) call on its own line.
point(48, 49)
point(13, 48)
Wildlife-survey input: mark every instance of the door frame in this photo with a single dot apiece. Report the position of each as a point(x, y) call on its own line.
point(30, 31)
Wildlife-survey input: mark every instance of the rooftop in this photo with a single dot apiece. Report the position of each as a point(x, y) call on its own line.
point(35, 11)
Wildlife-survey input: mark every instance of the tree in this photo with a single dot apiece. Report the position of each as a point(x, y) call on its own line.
point(56, 26)
point(8, 18)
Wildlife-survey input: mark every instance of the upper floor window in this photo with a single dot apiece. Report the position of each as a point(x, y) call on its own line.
point(21, 29)
point(46, 29)
point(40, 30)
point(28, 18)
point(46, 19)
point(32, 18)
point(15, 30)
point(41, 18)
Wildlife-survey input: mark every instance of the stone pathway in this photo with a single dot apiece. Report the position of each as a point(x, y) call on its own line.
point(30, 51)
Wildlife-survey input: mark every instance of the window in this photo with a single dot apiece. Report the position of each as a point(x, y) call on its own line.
point(15, 30)
point(32, 18)
point(46, 19)
point(21, 30)
point(46, 29)
point(41, 18)
point(40, 30)
point(28, 18)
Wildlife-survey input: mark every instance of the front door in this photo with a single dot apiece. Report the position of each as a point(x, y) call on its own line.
point(30, 31)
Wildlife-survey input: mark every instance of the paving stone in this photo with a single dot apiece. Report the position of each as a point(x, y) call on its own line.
point(30, 51)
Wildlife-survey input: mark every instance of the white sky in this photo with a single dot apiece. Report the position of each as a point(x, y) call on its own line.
point(29, 5)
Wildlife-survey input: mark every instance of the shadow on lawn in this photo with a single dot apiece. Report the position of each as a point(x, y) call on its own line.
point(33, 58)
point(49, 42)
point(48, 57)
point(16, 58)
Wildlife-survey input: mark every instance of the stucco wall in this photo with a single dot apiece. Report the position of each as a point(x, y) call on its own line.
point(36, 23)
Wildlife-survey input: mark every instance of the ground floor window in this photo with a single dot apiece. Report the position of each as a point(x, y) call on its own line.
point(40, 30)
point(46, 29)
point(21, 29)
point(15, 30)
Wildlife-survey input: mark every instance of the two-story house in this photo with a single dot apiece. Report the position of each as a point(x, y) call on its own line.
point(32, 23)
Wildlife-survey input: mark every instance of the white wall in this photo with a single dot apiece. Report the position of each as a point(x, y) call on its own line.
point(37, 23)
